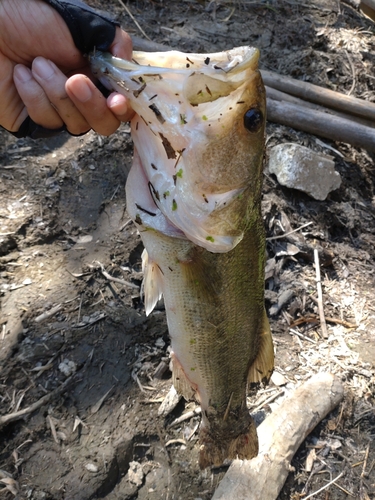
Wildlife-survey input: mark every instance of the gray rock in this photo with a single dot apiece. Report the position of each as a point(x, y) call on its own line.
point(301, 168)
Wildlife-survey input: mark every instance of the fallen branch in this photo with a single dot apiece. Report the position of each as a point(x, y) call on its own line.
point(321, 124)
point(280, 435)
point(277, 95)
point(368, 8)
point(319, 95)
point(368, 3)
point(17, 415)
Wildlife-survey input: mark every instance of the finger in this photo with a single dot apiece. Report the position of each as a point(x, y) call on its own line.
point(120, 106)
point(53, 81)
point(35, 100)
point(12, 109)
point(92, 104)
point(122, 45)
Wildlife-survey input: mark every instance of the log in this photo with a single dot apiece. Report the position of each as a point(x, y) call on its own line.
point(368, 8)
point(280, 435)
point(368, 3)
point(277, 95)
point(319, 95)
point(321, 124)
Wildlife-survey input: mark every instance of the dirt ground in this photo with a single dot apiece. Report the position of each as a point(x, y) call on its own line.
point(81, 341)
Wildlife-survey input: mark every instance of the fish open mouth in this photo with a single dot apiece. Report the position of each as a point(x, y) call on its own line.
point(188, 108)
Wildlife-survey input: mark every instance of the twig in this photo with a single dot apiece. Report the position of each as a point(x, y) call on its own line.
point(116, 280)
point(98, 404)
point(320, 295)
point(365, 462)
point(79, 309)
point(267, 401)
point(290, 232)
point(344, 490)
point(295, 332)
point(353, 73)
point(48, 314)
point(324, 487)
point(313, 319)
point(12, 417)
point(114, 194)
point(186, 416)
point(175, 441)
point(134, 19)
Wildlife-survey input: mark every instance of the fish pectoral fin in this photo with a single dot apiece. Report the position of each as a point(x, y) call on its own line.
point(262, 368)
point(152, 282)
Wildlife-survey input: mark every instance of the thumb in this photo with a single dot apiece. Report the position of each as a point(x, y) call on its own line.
point(121, 46)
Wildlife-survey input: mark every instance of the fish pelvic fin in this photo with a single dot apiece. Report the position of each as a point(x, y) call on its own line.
point(216, 445)
point(152, 282)
point(261, 369)
point(180, 381)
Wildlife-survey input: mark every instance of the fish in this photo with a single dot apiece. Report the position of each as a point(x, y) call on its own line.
point(194, 193)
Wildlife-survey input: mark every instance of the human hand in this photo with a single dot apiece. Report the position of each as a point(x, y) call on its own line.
point(44, 76)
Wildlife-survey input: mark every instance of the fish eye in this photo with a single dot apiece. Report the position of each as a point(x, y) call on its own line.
point(253, 119)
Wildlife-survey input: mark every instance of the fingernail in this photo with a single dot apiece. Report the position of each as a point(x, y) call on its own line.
point(81, 90)
point(22, 74)
point(43, 68)
point(117, 99)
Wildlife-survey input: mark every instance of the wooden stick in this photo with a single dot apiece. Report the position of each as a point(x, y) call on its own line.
point(324, 487)
point(280, 436)
point(321, 124)
point(17, 415)
point(323, 323)
point(277, 95)
point(368, 8)
point(319, 95)
point(148, 46)
point(368, 3)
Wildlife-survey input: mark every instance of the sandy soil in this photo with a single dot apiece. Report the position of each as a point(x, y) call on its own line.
point(81, 341)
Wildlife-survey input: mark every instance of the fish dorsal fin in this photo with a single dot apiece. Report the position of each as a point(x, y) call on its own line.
point(262, 368)
point(152, 282)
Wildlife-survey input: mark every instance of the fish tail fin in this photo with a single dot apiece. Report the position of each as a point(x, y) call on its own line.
point(261, 369)
point(216, 448)
point(152, 282)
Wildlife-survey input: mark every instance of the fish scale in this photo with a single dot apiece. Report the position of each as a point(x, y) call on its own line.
point(194, 193)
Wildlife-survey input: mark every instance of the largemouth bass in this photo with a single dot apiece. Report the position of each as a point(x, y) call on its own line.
point(194, 193)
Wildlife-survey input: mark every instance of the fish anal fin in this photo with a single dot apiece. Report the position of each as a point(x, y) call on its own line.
point(152, 282)
point(180, 381)
point(261, 369)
